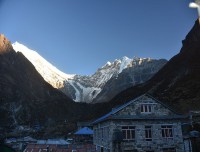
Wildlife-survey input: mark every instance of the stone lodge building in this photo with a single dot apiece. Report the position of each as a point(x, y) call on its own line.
point(141, 125)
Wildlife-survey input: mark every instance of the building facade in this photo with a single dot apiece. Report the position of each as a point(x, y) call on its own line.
point(141, 125)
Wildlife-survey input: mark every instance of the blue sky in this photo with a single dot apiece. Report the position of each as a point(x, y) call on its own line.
point(79, 36)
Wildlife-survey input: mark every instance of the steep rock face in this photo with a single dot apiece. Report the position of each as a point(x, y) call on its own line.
point(98, 87)
point(178, 82)
point(138, 72)
point(24, 95)
point(111, 79)
point(5, 45)
point(182, 84)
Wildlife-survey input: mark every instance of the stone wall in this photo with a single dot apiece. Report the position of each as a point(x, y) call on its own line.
point(135, 108)
point(132, 115)
point(157, 144)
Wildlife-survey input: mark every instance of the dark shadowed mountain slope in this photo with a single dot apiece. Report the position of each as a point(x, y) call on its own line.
point(27, 100)
point(24, 95)
point(178, 82)
point(101, 86)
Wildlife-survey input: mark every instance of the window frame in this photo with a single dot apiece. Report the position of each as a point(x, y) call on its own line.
point(167, 131)
point(146, 108)
point(148, 133)
point(129, 131)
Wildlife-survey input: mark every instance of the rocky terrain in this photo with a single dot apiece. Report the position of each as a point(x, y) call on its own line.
point(26, 99)
point(138, 71)
point(24, 95)
point(103, 85)
point(178, 82)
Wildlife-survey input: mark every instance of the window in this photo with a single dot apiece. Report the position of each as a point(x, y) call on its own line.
point(146, 108)
point(169, 150)
point(167, 131)
point(128, 132)
point(148, 133)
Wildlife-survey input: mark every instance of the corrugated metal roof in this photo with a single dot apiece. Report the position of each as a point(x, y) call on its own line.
point(57, 148)
point(41, 142)
point(53, 142)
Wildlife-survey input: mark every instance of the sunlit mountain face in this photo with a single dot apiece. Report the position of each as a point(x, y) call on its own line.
point(25, 96)
point(104, 84)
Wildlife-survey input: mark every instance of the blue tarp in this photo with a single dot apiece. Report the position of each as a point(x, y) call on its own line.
point(84, 131)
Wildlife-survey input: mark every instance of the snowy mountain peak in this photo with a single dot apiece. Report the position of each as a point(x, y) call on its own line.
point(108, 63)
point(117, 61)
point(125, 58)
point(47, 70)
point(93, 87)
point(124, 63)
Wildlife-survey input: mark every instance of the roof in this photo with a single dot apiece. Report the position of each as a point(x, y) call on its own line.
point(53, 142)
point(84, 131)
point(110, 114)
point(128, 117)
point(58, 148)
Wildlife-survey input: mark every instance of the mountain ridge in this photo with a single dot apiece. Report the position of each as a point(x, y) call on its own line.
point(90, 88)
point(25, 96)
point(178, 82)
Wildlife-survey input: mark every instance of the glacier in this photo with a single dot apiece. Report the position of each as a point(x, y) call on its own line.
point(88, 88)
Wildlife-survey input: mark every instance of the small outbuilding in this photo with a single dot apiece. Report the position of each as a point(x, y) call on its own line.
point(84, 135)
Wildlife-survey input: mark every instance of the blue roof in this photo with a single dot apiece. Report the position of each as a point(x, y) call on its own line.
point(84, 131)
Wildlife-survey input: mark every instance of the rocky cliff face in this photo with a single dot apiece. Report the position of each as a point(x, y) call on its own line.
point(5, 45)
point(178, 82)
point(104, 84)
point(137, 71)
point(24, 95)
point(112, 78)
point(181, 86)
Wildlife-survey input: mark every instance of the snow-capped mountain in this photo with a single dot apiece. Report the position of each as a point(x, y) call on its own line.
point(104, 84)
point(50, 73)
point(25, 96)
